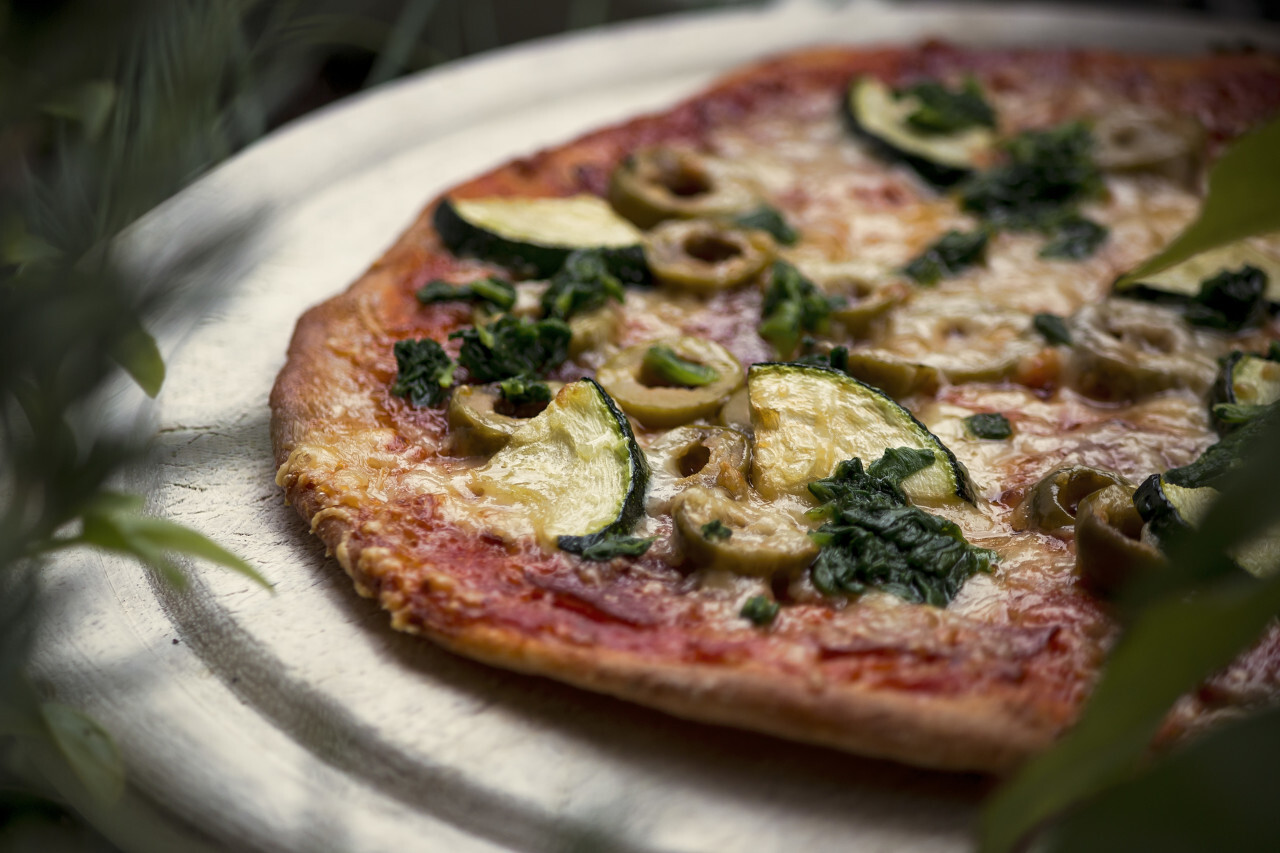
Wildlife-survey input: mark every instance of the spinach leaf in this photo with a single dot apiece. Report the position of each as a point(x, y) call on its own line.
point(521, 391)
point(662, 366)
point(873, 539)
point(512, 346)
point(1230, 300)
point(1053, 328)
point(425, 371)
point(942, 110)
point(792, 305)
point(584, 283)
point(1047, 174)
point(951, 255)
point(498, 293)
point(601, 549)
point(989, 425)
point(760, 609)
point(1075, 238)
point(769, 219)
point(716, 529)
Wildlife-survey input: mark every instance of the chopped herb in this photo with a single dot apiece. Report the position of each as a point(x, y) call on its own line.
point(792, 305)
point(953, 253)
point(760, 609)
point(716, 530)
point(501, 294)
point(425, 371)
point(873, 539)
point(1230, 300)
point(1221, 458)
point(512, 346)
point(766, 218)
point(1053, 328)
point(1047, 174)
point(989, 425)
point(584, 283)
point(836, 359)
point(943, 111)
point(519, 391)
point(602, 548)
point(662, 366)
point(1075, 238)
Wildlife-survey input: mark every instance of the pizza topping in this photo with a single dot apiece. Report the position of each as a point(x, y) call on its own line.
point(863, 300)
point(760, 609)
point(482, 418)
point(714, 457)
point(574, 471)
point(608, 547)
point(1074, 239)
point(534, 236)
point(874, 539)
point(1125, 350)
point(770, 220)
point(1247, 384)
point(1141, 139)
point(941, 134)
point(1053, 328)
point(584, 283)
point(493, 291)
point(705, 256)
point(951, 255)
point(806, 420)
point(967, 340)
point(1217, 462)
point(513, 346)
point(792, 305)
point(424, 372)
point(892, 375)
point(1048, 173)
point(658, 183)
point(716, 529)
point(1110, 548)
point(1229, 301)
point(653, 399)
point(662, 367)
point(1052, 503)
point(992, 425)
point(762, 541)
point(1184, 281)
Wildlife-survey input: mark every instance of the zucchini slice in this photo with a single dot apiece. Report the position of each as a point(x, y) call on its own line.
point(1181, 282)
point(1167, 507)
point(575, 468)
point(533, 236)
point(809, 419)
point(874, 112)
point(1247, 380)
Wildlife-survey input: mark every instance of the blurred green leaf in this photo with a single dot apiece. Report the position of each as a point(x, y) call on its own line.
point(137, 353)
point(115, 522)
point(1244, 184)
point(1218, 793)
point(88, 748)
point(20, 248)
point(89, 104)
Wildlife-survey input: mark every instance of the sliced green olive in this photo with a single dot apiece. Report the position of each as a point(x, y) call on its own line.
point(592, 330)
point(965, 340)
point(659, 405)
point(705, 256)
point(1053, 502)
point(736, 411)
point(703, 456)
point(1126, 350)
point(1138, 139)
point(659, 183)
point(478, 425)
point(761, 541)
point(892, 375)
point(1110, 550)
point(865, 300)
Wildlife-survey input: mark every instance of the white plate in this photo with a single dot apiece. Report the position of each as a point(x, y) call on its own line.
point(300, 720)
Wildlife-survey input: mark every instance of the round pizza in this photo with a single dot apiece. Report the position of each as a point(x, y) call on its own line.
point(811, 405)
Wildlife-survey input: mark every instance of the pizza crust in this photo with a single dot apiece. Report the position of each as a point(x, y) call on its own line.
point(979, 689)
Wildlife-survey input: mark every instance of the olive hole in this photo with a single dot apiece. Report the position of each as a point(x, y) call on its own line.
point(524, 410)
point(694, 460)
point(711, 249)
point(684, 182)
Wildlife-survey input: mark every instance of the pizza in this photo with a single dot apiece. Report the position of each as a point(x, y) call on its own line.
point(809, 405)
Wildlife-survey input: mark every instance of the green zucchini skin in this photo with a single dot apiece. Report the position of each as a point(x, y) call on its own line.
point(633, 504)
point(938, 174)
point(529, 259)
point(1224, 391)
